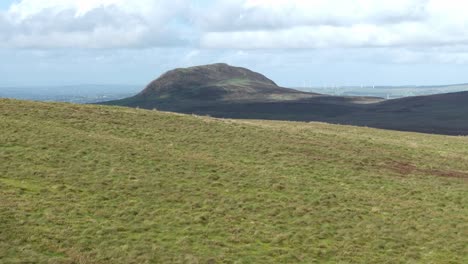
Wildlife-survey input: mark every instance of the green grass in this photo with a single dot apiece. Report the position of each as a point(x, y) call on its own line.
point(98, 184)
point(235, 82)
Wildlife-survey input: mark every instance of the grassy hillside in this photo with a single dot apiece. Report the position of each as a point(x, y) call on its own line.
point(97, 184)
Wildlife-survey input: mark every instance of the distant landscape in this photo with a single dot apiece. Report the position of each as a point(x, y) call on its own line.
point(225, 91)
point(80, 94)
point(93, 93)
point(387, 92)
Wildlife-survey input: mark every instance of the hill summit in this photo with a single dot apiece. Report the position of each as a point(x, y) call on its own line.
point(210, 84)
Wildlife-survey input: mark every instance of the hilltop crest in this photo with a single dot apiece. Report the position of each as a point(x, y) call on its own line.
point(211, 84)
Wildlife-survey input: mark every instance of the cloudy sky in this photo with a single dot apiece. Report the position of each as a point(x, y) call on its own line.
point(318, 42)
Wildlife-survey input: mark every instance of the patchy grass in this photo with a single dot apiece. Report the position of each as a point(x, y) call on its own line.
point(97, 184)
point(235, 82)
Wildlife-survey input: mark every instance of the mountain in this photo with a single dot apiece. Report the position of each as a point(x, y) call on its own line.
point(220, 90)
point(185, 88)
point(100, 184)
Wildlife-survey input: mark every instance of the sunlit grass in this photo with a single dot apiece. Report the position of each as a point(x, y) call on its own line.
point(96, 184)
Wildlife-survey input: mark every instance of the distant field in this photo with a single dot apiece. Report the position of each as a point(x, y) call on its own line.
point(81, 94)
point(387, 92)
point(100, 184)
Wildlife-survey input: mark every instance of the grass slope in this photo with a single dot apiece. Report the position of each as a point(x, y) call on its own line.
point(97, 184)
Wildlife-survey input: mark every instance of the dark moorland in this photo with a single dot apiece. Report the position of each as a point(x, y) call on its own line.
point(220, 90)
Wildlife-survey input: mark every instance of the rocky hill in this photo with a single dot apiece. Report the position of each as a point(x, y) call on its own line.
point(210, 85)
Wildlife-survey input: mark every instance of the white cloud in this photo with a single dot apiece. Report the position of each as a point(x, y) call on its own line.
point(27, 8)
point(335, 23)
point(92, 24)
point(235, 15)
point(237, 24)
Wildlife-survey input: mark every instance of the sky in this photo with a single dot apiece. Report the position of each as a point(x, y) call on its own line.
point(294, 42)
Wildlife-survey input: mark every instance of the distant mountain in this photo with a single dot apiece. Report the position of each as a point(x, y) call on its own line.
point(225, 91)
point(182, 89)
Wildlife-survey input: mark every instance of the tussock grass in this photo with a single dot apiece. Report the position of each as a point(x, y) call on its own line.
point(97, 184)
